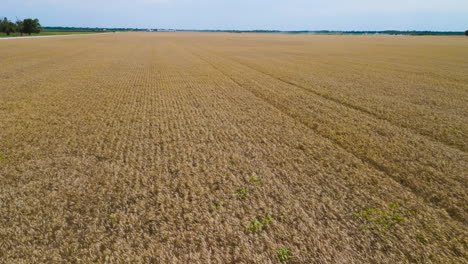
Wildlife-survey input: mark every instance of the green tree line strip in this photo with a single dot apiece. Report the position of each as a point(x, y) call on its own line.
point(26, 26)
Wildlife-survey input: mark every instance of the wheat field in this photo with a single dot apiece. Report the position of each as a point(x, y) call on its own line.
point(233, 148)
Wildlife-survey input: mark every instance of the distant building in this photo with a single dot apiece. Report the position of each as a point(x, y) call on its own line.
point(166, 30)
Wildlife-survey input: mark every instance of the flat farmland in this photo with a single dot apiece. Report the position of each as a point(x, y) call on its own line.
point(234, 148)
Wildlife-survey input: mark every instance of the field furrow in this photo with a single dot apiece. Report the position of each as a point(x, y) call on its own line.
point(151, 148)
point(424, 99)
point(404, 156)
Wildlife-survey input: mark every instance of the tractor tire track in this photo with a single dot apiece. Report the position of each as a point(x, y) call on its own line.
point(365, 159)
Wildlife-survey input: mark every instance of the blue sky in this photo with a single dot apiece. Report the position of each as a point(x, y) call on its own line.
point(246, 14)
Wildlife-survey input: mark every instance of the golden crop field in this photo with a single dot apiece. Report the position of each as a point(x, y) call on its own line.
point(234, 148)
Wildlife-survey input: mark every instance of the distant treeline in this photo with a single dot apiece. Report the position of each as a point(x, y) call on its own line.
point(330, 32)
point(88, 29)
point(323, 32)
point(388, 32)
point(25, 26)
